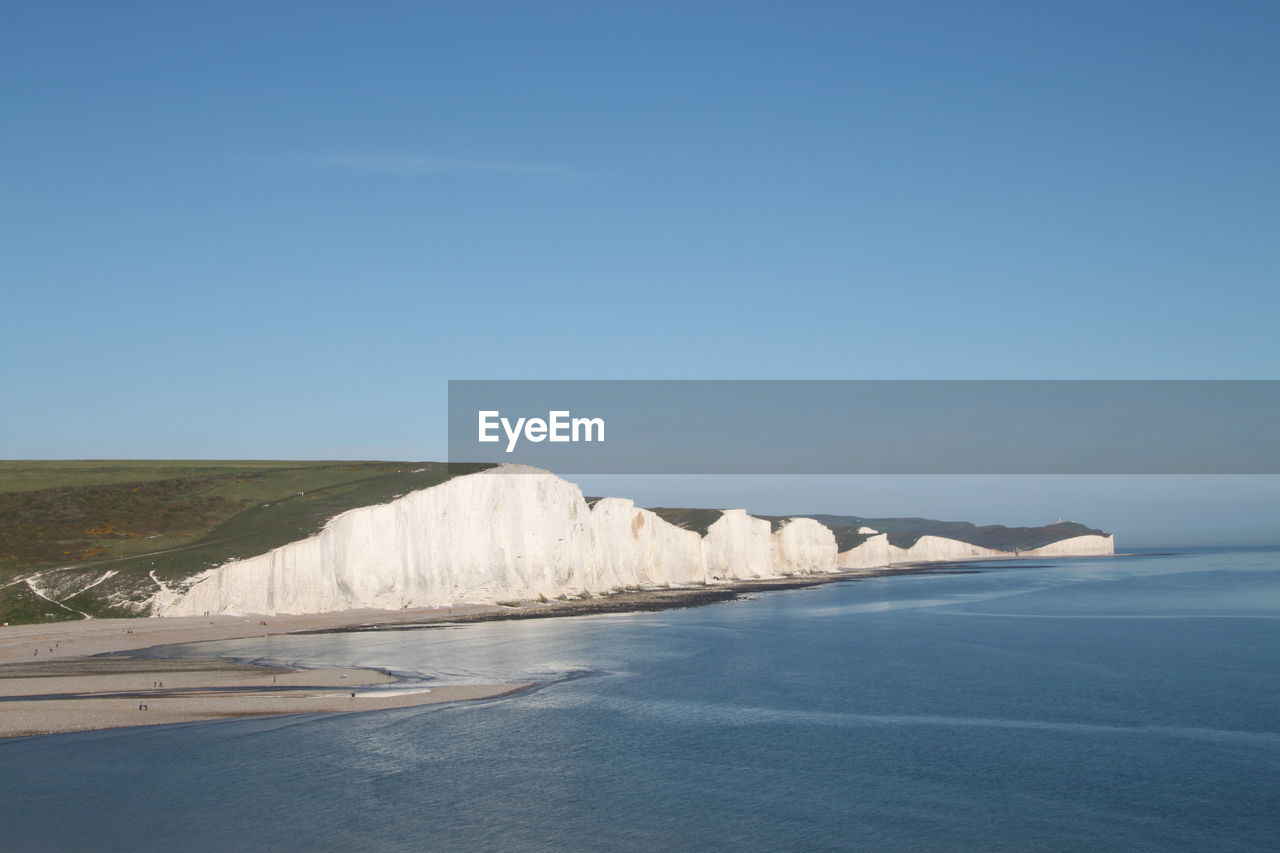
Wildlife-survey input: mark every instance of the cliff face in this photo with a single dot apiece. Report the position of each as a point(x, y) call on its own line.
point(643, 548)
point(501, 535)
point(804, 547)
point(879, 551)
point(514, 533)
point(738, 547)
point(1076, 546)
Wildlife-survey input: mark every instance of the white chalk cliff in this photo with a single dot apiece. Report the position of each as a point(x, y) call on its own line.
point(516, 533)
point(1076, 546)
point(879, 551)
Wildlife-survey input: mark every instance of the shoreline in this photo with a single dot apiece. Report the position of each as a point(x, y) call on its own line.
point(648, 600)
point(92, 694)
point(82, 638)
point(94, 674)
point(675, 598)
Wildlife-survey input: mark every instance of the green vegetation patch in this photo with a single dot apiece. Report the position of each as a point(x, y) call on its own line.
point(847, 538)
point(173, 519)
point(905, 532)
point(697, 520)
point(32, 475)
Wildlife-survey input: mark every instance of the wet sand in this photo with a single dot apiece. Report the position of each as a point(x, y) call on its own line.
point(51, 681)
point(113, 692)
point(85, 637)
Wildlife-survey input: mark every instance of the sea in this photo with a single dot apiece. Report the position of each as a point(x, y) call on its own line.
point(1110, 704)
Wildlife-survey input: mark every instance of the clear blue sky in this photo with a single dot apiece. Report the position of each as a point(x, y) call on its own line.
point(276, 229)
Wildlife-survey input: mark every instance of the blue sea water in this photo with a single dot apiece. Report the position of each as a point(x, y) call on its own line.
point(1092, 704)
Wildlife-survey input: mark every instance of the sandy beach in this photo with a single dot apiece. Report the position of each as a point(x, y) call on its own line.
point(101, 693)
point(80, 692)
point(57, 677)
point(85, 637)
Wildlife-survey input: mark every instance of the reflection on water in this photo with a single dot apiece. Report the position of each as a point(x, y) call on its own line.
point(1127, 704)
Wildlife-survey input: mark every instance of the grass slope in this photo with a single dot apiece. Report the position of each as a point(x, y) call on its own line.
point(173, 518)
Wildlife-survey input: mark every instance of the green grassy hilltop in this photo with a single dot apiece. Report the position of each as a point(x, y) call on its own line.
point(170, 518)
